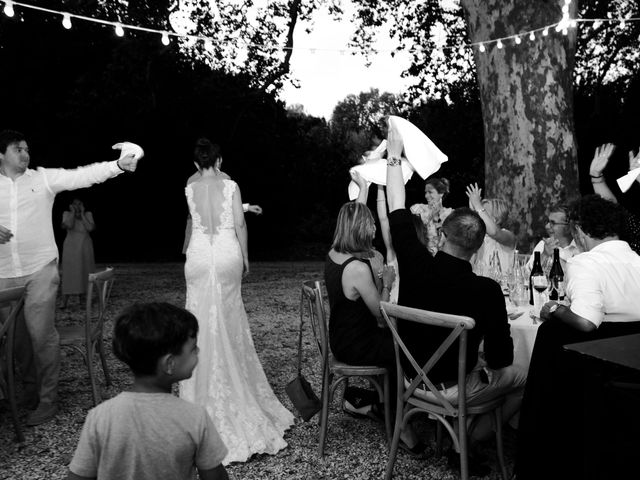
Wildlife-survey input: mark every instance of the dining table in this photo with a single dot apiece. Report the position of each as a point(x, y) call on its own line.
point(524, 328)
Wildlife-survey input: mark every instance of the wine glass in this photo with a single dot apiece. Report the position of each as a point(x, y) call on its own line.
point(540, 284)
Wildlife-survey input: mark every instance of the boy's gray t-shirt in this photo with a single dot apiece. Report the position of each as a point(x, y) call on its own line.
point(147, 436)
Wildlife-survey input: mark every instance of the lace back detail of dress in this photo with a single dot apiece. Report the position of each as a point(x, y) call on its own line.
point(210, 209)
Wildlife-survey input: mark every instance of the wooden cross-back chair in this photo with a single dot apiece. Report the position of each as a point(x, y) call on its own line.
point(11, 302)
point(422, 395)
point(335, 372)
point(87, 339)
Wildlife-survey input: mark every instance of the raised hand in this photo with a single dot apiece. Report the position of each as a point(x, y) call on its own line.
point(5, 235)
point(394, 144)
point(358, 179)
point(601, 159)
point(634, 160)
point(475, 197)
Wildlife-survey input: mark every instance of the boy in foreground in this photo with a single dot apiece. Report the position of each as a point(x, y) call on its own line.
point(146, 432)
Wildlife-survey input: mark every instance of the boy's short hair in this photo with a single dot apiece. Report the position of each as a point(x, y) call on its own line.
point(9, 137)
point(144, 332)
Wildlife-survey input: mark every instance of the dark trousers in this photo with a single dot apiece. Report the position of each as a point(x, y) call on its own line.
point(554, 433)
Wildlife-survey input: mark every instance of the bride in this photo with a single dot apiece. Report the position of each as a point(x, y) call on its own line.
point(228, 380)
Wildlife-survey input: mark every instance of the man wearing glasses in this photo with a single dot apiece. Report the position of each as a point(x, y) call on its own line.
point(559, 237)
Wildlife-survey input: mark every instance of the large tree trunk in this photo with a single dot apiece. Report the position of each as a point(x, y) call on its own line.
point(527, 107)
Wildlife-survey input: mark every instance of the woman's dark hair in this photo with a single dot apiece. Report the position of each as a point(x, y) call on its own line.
point(144, 332)
point(440, 184)
point(597, 217)
point(9, 137)
point(205, 153)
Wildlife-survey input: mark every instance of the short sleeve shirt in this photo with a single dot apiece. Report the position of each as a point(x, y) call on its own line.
point(147, 436)
point(603, 284)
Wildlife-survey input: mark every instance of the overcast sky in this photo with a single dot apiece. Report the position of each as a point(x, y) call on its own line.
point(327, 76)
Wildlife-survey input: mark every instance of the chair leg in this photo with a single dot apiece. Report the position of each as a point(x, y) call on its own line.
point(464, 451)
point(11, 387)
point(393, 448)
point(387, 409)
point(103, 360)
point(438, 438)
point(324, 413)
point(499, 447)
point(92, 376)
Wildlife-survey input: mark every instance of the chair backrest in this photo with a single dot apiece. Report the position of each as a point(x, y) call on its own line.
point(12, 298)
point(458, 325)
point(100, 284)
point(313, 296)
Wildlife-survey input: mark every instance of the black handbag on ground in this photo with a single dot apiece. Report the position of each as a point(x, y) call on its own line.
point(299, 390)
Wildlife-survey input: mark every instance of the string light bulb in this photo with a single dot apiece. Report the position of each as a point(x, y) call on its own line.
point(66, 21)
point(518, 40)
point(623, 24)
point(165, 39)
point(482, 49)
point(119, 30)
point(532, 36)
point(545, 32)
point(8, 9)
point(573, 24)
point(499, 44)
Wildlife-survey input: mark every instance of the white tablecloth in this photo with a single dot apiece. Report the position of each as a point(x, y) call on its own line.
point(523, 333)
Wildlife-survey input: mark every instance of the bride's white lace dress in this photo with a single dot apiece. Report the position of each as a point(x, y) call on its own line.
point(228, 380)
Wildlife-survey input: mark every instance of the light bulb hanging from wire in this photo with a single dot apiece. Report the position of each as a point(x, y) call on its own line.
point(165, 38)
point(499, 44)
point(119, 30)
point(518, 40)
point(66, 21)
point(532, 36)
point(8, 9)
point(482, 49)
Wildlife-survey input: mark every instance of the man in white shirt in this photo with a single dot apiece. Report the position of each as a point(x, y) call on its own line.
point(28, 257)
point(603, 287)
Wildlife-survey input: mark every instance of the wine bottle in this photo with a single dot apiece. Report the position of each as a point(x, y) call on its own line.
point(537, 276)
point(556, 278)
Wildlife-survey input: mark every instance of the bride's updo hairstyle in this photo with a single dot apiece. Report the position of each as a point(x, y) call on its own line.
point(206, 154)
point(355, 229)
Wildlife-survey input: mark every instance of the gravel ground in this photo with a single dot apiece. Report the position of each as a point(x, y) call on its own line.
point(355, 449)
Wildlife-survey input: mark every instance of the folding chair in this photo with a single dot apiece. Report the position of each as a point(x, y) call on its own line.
point(88, 338)
point(335, 372)
point(12, 299)
point(421, 395)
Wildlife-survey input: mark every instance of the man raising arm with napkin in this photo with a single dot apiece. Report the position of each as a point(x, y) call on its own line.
point(29, 256)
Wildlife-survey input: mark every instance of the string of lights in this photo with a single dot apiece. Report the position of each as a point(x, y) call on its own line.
point(165, 36)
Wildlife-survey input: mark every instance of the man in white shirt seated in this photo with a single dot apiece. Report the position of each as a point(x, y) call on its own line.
point(29, 257)
point(603, 288)
point(560, 237)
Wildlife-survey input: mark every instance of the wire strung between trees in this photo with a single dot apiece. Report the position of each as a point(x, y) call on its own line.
point(119, 27)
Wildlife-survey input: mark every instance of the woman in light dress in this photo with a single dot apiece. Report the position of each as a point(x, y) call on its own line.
point(229, 380)
point(77, 250)
point(433, 213)
point(498, 241)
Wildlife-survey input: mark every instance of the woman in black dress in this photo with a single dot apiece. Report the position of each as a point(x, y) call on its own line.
point(355, 333)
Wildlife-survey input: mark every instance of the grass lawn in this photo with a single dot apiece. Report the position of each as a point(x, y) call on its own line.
point(356, 449)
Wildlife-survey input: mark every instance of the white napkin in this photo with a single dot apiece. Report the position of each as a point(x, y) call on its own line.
point(420, 153)
point(627, 180)
point(128, 148)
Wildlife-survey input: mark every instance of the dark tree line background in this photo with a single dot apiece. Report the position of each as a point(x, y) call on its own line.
point(75, 93)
